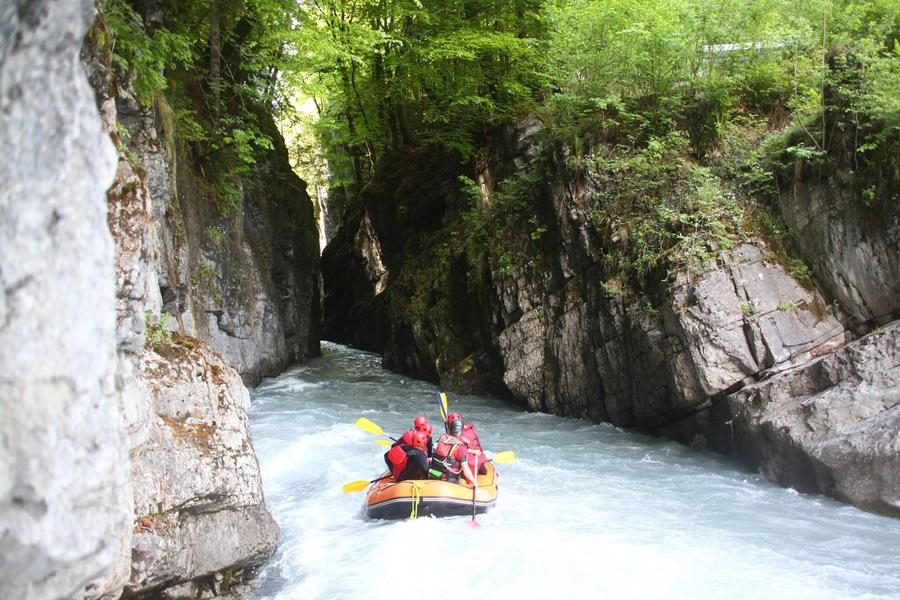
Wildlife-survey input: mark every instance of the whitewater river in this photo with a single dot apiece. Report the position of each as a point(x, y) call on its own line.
point(587, 511)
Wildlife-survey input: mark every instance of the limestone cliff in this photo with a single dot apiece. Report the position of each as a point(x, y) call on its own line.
point(126, 464)
point(205, 296)
point(245, 279)
point(64, 500)
point(539, 312)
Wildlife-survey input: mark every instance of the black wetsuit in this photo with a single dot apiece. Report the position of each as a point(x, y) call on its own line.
point(416, 465)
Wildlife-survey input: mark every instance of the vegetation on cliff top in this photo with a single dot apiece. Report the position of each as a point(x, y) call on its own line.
point(663, 104)
point(385, 73)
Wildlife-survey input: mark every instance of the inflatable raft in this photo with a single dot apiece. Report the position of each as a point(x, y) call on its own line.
point(390, 499)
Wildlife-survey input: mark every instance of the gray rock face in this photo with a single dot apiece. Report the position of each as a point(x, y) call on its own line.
point(563, 338)
point(830, 426)
point(199, 506)
point(246, 281)
point(63, 455)
point(853, 250)
point(717, 330)
point(195, 491)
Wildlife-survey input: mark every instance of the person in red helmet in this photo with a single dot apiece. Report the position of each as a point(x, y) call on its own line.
point(450, 418)
point(449, 460)
point(420, 423)
point(475, 453)
point(425, 427)
point(409, 461)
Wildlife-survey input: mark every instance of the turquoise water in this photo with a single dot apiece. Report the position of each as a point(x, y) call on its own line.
point(587, 511)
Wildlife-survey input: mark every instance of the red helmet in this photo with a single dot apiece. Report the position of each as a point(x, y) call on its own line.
point(428, 429)
point(419, 423)
point(420, 440)
point(453, 417)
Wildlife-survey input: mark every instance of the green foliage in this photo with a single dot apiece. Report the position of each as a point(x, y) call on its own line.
point(394, 72)
point(786, 306)
point(695, 66)
point(661, 210)
point(217, 64)
point(216, 234)
point(512, 207)
point(157, 333)
point(144, 56)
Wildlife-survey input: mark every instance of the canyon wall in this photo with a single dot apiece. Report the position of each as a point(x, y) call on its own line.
point(132, 312)
point(64, 498)
point(539, 311)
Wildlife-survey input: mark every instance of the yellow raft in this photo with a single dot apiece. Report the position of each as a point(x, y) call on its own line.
point(390, 499)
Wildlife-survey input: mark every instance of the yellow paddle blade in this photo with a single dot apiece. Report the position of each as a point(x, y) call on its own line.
point(504, 458)
point(383, 442)
point(444, 411)
point(367, 425)
point(355, 486)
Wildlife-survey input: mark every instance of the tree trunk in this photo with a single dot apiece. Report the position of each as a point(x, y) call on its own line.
point(215, 58)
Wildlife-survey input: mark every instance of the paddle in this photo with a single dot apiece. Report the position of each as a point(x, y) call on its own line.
point(383, 442)
point(360, 484)
point(367, 425)
point(442, 408)
point(504, 458)
point(475, 524)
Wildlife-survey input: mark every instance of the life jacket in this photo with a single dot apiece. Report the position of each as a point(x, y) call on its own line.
point(446, 460)
point(396, 459)
point(470, 437)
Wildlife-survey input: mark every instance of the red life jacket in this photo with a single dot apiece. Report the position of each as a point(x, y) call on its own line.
point(447, 454)
point(396, 456)
point(470, 437)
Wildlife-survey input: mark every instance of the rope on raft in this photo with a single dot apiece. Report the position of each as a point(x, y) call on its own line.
point(417, 487)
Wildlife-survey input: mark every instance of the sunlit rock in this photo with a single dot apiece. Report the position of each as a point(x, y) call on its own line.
point(63, 455)
point(198, 499)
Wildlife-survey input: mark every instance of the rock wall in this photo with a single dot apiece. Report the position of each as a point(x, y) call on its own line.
point(830, 425)
point(248, 283)
point(126, 464)
point(851, 247)
point(63, 455)
point(681, 358)
point(245, 279)
point(199, 508)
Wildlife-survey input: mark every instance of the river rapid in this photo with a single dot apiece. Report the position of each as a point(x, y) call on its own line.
point(586, 511)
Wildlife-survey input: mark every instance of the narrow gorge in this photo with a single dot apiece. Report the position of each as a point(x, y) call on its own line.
point(692, 235)
point(796, 375)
